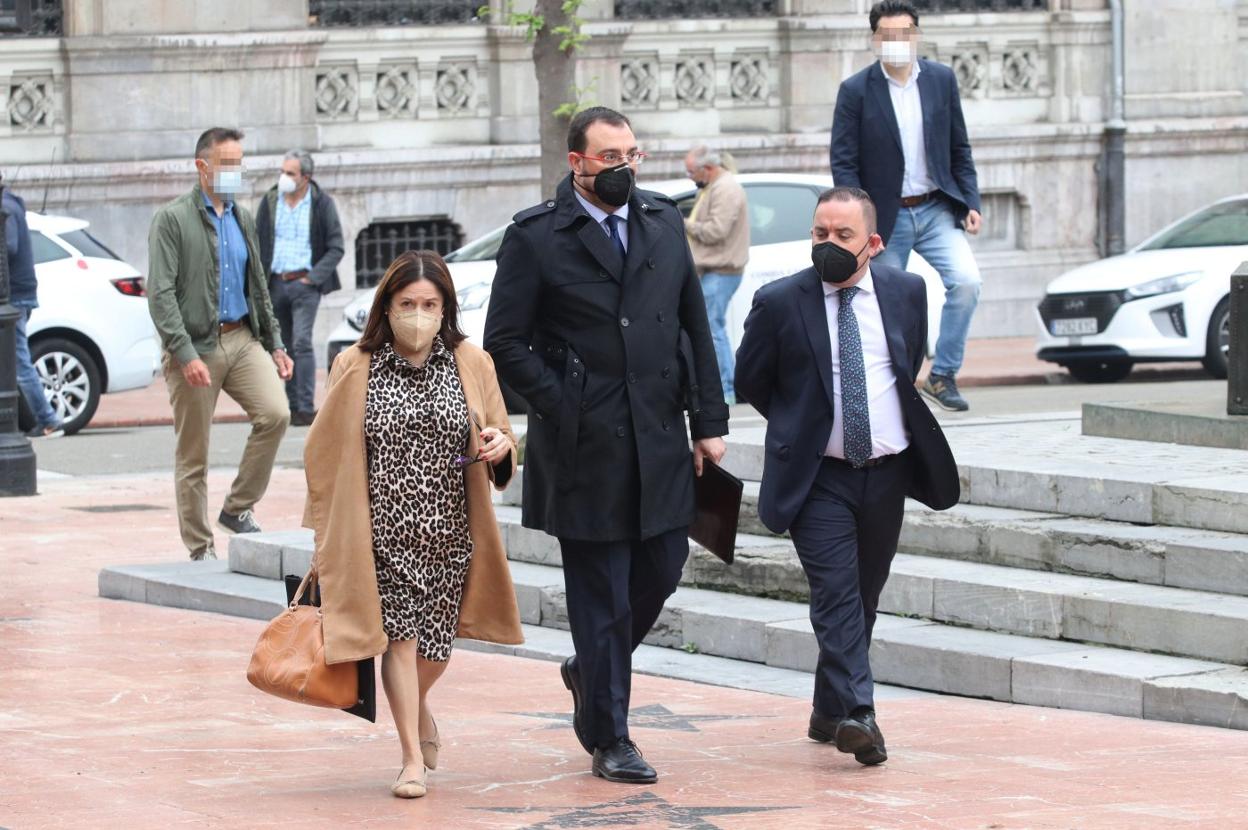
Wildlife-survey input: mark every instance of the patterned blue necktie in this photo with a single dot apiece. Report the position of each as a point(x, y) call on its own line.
point(855, 413)
point(613, 228)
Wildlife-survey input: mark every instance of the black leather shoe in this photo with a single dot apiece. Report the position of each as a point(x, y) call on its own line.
point(860, 735)
point(622, 763)
point(822, 728)
point(302, 419)
point(572, 680)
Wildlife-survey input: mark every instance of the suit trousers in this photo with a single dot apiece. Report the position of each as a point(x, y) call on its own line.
point(846, 536)
point(615, 592)
point(242, 369)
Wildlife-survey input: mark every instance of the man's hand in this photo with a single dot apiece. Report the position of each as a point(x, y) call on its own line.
point(285, 369)
point(974, 222)
point(712, 448)
point(196, 373)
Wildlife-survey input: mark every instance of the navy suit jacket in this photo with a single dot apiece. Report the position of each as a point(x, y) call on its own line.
point(866, 141)
point(784, 369)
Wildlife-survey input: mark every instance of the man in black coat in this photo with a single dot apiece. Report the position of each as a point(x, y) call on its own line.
point(595, 291)
point(300, 246)
point(829, 357)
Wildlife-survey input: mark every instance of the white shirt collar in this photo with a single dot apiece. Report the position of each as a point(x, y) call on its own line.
point(599, 215)
point(866, 285)
point(915, 69)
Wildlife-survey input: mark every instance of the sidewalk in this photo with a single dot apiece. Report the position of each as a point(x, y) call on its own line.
point(989, 362)
point(124, 715)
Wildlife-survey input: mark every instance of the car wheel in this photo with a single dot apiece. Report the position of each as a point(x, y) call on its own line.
point(71, 380)
point(1100, 371)
point(1218, 341)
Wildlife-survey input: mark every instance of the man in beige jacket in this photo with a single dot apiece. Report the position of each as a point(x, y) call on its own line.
point(719, 236)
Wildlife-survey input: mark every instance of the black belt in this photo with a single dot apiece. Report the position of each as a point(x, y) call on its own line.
point(915, 201)
point(870, 462)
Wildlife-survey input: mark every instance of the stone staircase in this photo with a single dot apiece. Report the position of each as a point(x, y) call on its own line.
point(1084, 573)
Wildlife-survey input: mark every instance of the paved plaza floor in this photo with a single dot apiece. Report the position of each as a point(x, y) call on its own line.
point(119, 715)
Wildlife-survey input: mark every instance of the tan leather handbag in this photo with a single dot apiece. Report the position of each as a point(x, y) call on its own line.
point(289, 658)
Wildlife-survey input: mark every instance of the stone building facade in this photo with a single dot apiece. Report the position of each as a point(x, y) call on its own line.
point(422, 118)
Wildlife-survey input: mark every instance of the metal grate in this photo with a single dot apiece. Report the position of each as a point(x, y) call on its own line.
point(31, 18)
point(358, 13)
point(380, 244)
point(665, 9)
point(118, 508)
point(938, 6)
point(1102, 305)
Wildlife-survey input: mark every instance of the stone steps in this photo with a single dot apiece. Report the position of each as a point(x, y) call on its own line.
point(908, 652)
point(1051, 606)
point(1180, 557)
point(1047, 465)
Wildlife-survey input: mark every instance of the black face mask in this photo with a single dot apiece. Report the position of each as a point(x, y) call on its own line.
point(614, 186)
point(834, 263)
point(699, 185)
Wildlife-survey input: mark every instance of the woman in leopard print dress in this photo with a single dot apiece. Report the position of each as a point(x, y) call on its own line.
point(419, 431)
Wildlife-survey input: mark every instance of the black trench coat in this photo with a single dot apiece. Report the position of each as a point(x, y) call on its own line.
point(593, 343)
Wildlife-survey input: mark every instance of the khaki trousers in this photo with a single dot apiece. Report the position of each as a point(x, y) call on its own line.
point(242, 369)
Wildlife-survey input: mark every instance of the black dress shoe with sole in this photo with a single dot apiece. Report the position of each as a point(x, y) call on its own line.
point(622, 763)
point(823, 728)
point(859, 734)
point(572, 680)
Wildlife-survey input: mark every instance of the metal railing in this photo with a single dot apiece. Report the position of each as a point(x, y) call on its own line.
point(361, 13)
point(667, 9)
point(31, 18)
point(380, 244)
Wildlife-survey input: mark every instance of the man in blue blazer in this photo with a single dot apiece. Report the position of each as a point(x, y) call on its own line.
point(898, 133)
point(829, 358)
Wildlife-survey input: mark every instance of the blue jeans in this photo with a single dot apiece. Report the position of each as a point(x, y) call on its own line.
point(932, 231)
point(28, 379)
point(717, 291)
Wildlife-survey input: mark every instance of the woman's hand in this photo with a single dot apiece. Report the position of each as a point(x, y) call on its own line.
point(495, 445)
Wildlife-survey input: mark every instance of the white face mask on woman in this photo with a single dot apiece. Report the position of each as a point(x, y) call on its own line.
point(414, 331)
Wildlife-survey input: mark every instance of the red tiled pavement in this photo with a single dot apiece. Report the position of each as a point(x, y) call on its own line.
point(989, 362)
point(116, 715)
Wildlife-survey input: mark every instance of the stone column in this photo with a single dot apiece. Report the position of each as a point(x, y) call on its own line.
point(816, 54)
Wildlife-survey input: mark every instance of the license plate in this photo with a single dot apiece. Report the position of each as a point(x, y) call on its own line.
point(1073, 326)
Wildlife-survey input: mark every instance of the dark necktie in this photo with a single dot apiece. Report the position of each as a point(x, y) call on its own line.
point(855, 413)
point(613, 228)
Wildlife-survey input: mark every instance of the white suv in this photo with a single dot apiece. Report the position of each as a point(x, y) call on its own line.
point(92, 332)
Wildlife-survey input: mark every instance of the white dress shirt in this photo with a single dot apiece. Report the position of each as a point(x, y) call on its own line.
point(888, 425)
point(908, 107)
point(600, 216)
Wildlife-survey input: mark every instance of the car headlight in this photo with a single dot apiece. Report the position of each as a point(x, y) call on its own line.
point(357, 319)
point(473, 296)
point(1165, 285)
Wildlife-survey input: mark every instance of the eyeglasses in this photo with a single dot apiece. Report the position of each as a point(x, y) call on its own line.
point(634, 157)
point(461, 461)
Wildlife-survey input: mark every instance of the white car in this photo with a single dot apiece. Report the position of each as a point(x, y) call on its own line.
point(92, 332)
point(1167, 299)
point(782, 207)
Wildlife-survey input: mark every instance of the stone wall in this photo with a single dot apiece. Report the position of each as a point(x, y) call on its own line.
point(427, 121)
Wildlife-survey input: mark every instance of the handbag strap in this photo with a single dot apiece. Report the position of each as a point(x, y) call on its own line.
point(308, 583)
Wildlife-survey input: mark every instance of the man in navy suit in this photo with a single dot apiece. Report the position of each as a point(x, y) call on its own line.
point(829, 358)
point(898, 133)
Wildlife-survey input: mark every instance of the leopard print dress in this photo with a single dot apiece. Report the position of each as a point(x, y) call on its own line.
point(415, 425)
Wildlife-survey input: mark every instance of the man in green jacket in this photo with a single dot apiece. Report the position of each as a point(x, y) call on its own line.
point(207, 289)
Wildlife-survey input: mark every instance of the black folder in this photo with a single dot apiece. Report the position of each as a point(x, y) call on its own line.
point(717, 497)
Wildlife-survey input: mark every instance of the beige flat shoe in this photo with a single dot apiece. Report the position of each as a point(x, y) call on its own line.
point(415, 788)
point(429, 749)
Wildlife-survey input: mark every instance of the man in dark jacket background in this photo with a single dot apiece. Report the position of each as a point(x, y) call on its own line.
point(24, 296)
point(593, 291)
point(301, 246)
point(898, 133)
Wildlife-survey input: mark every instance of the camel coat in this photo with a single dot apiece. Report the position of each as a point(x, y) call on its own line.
point(336, 466)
